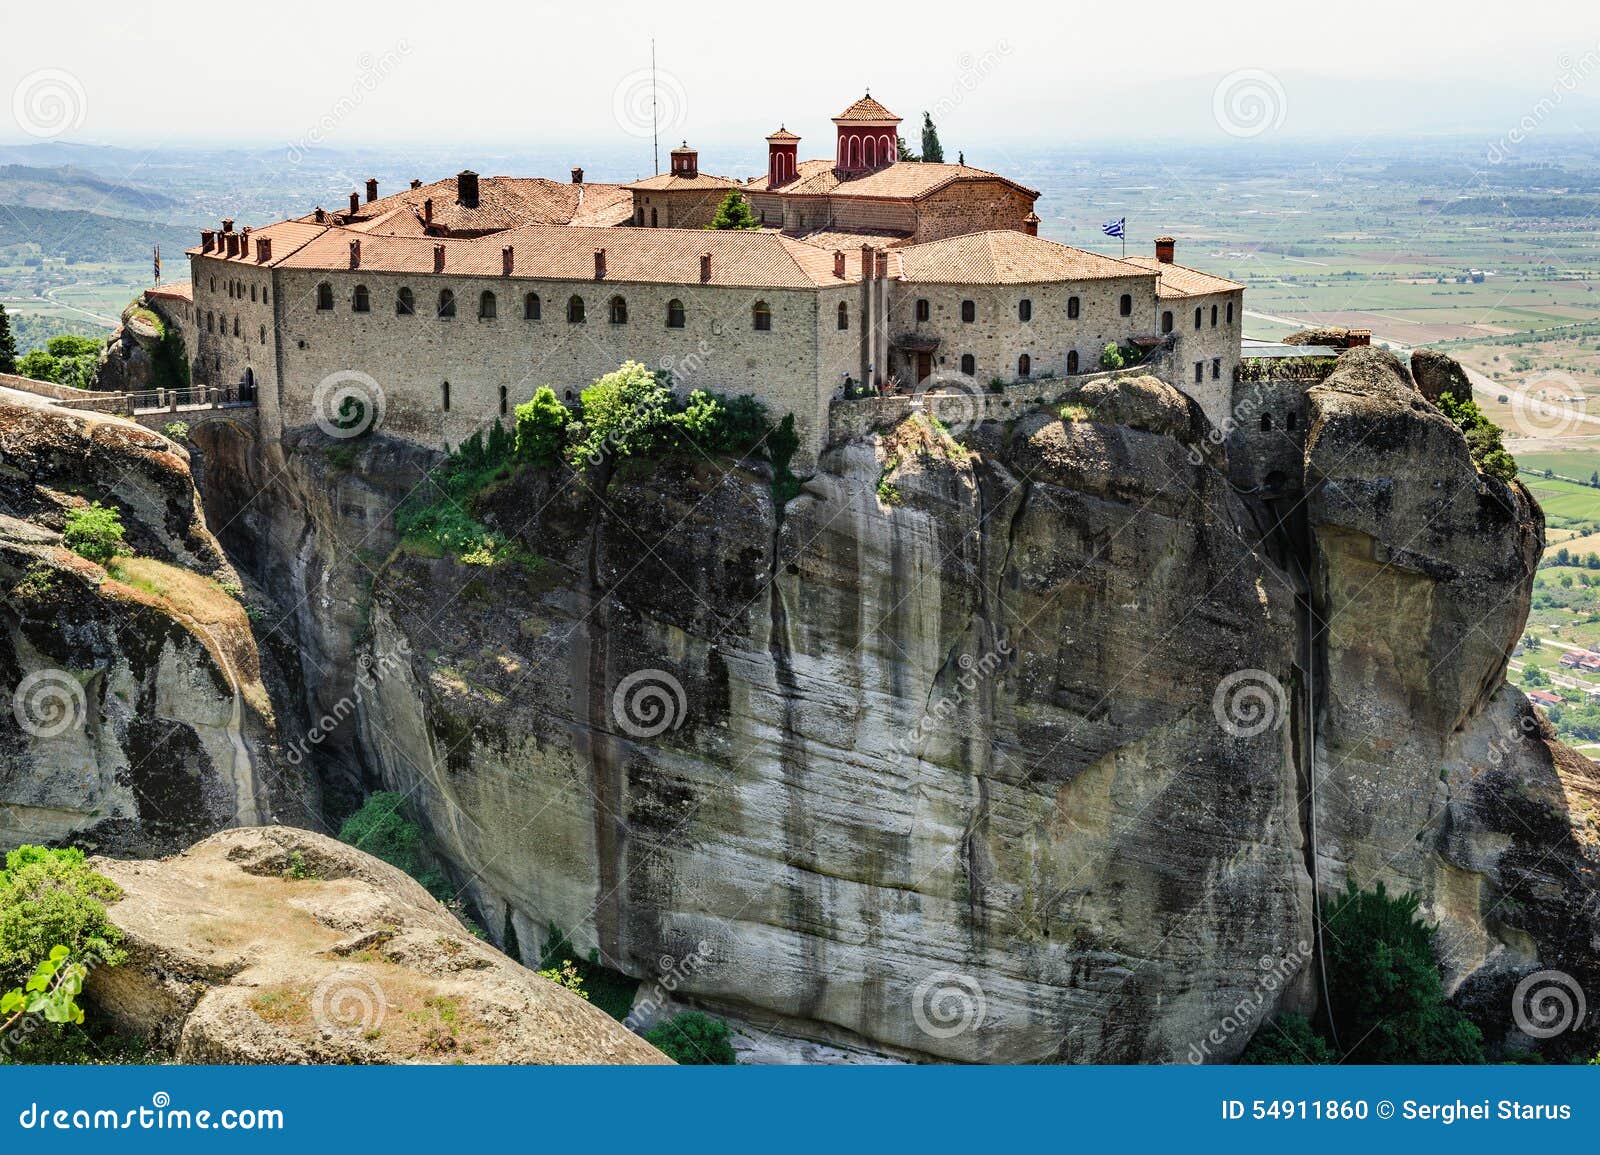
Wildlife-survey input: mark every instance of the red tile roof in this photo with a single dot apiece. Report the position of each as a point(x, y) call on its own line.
point(867, 111)
point(1178, 281)
point(504, 202)
point(904, 180)
point(1005, 257)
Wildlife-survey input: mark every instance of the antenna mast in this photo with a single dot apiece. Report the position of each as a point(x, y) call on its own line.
point(655, 132)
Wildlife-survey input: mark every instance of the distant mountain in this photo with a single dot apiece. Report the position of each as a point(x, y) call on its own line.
point(66, 187)
point(86, 236)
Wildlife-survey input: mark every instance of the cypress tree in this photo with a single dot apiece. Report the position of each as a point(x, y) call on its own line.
point(8, 344)
point(734, 213)
point(932, 150)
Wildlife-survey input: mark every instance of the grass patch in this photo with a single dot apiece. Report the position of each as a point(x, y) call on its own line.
point(439, 519)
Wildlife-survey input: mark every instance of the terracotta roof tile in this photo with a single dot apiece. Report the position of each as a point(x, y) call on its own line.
point(504, 202)
point(831, 239)
point(1003, 257)
point(286, 237)
point(783, 134)
point(869, 111)
point(1178, 281)
point(180, 290)
point(672, 182)
point(904, 180)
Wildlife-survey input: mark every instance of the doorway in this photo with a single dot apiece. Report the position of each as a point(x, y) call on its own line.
point(924, 367)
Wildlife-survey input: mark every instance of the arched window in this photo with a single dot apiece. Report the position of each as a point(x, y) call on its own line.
point(324, 297)
point(211, 321)
point(969, 364)
point(447, 304)
point(488, 309)
point(638, 217)
point(1230, 312)
point(844, 315)
point(253, 298)
point(1216, 368)
point(1072, 361)
point(236, 326)
point(503, 399)
point(213, 284)
point(872, 153)
point(1166, 320)
point(1197, 312)
point(619, 310)
point(855, 152)
point(264, 294)
point(575, 310)
point(1025, 310)
point(263, 334)
point(1266, 423)
point(1024, 365)
point(405, 303)
point(652, 218)
point(675, 314)
point(969, 312)
point(530, 307)
point(1126, 305)
point(1213, 316)
point(1072, 308)
point(444, 395)
point(923, 310)
point(760, 317)
point(360, 300)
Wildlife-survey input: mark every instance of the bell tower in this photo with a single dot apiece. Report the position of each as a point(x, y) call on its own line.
point(783, 152)
point(868, 137)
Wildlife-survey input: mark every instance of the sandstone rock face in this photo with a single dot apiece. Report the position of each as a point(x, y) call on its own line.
point(1436, 374)
point(135, 716)
point(275, 945)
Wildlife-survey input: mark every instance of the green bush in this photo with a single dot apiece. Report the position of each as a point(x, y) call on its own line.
point(609, 990)
point(176, 430)
point(381, 829)
point(541, 427)
point(1288, 1039)
point(49, 899)
point(439, 515)
point(694, 1039)
point(1111, 357)
point(1483, 436)
point(95, 532)
point(624, 413)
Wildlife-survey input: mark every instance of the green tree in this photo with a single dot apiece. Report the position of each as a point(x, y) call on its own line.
point(1288, 1039)
point(541, 427)
point(932, 150)
point(381, 829)
point(734, 213)
point(49, 900)
point(8, 344)
point(694, 1039)
point(624, 413)
point(903, 152)
point(1387, 999)
point(38, 364)
point(95, 532)
point(1482, 435)
point(1111, 357)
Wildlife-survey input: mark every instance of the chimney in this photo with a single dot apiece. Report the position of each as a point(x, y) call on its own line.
point(866, 262)
point(1358, 337)
point(438, 258)
point(227, 224)
point(233, 243)
point(838, 263)
point(321, 216)
point(883, 264)
point(467, 188)
point(355, 254)
point(263, 250)
point(415, 183)
point(1030, 224)
point(1164, 249)
point(705, 268)
point(577, 174)
point(685, 161)
point(372, 189)
point(427, 211)
point(355, 203)
point(599, 264)
point(208, 240)
point(506, 260)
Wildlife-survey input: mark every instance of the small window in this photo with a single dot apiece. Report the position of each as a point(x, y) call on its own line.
point(236, 326)
point(360, 300)
point(1230, 312)
point(1125, 307)
point(1073, 308)
point(211, 321)
point(447, 305)
point(619, 311)
point(1025, 310)
point(263, 294)
point(575, 310)
point(761, 317)
point(969, 364)
point(503, 399)
point(488, 308)
point(324, 297)
point(1024, 365)
point(969, 312)
point(844, 315)
point(1197, 312)
point(1166, 320)
point(213, 284)
point(923, 310)
point(1213, 316)
point(444, 395)
point(675, 314)
point(1266, 423)
point(652, 218)
point(1072, 361)
point(405, 303)
point(530, 307)
point(253, 297)
point(1199, 372)
point(1216, 368)
point(263, 334)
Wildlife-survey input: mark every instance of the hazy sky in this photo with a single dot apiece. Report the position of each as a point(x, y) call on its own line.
point(487, 72)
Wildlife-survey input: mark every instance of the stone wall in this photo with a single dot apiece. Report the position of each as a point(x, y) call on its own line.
point(1206, 355)
point(970, 206)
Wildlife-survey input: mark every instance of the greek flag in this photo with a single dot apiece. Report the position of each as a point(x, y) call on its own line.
point(1114, 228)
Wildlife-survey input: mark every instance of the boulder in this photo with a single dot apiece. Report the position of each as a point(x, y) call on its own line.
point(1435, 374)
